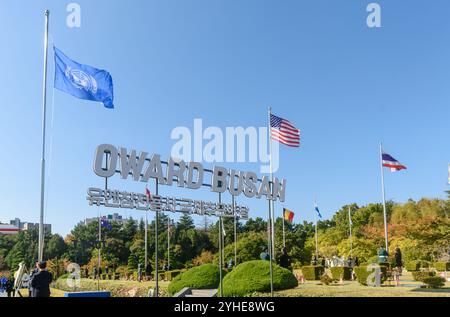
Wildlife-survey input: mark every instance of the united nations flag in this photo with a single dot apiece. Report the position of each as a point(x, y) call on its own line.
point(83, 81)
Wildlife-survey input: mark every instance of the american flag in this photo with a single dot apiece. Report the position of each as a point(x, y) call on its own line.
point(283, 131)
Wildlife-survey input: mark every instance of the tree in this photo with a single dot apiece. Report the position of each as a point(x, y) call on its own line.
point(56, 247)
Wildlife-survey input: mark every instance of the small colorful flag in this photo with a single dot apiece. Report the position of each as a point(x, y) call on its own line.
point(288, 215)
point(392, 163)
point(148, 194)
point(105, 224)
point(316, 208)
point(283, 131)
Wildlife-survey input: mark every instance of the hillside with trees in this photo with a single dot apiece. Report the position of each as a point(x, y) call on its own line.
point(420, 228)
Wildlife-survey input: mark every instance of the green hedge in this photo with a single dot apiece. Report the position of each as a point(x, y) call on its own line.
point(413, 266)
point(434, 281)
point(254, 276)
point(170, 275)
point(313, 273)
point(362, 274)
point(421, 275)
point(342, 271)
point(201, 277)
point(442, 266)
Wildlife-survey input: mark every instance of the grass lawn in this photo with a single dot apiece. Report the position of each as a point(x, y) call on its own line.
point(118, 288)
point(408, 288)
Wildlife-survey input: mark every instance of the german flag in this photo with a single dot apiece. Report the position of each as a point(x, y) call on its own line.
point(288, 215)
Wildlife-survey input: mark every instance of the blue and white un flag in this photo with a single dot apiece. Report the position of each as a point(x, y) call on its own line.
point(83, 81)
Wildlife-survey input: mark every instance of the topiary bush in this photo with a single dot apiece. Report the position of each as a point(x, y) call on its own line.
point(442, 266)
point(254, 276)
point(170, 275)
point(421, 275)
point(313, 273)
point(413, 266)
point(362, 274)
point(201, 277)
point(326, 280)
point(434, 281)
point(344, 272)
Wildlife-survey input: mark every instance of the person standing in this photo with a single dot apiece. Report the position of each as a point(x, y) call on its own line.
point(94, 272)
point(148, 271)
point(35, 271)
point(10, 287)
point(139, 273)
point(41, 281)
point(285, 260)
point(398, 259)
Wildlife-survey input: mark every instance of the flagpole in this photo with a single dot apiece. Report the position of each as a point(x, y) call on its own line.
point(168, 242)
point(350, 225)
point(220, 249)
point(146, 239)
point(384, 199)
point(156, 244)
point(44, 109)
point(233, 202)
point(271, 235)
point(284, 234)
point(317, 248)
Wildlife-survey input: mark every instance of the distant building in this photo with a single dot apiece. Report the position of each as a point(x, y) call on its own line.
point(115, 217)
point(8, 229)
point(25, 226)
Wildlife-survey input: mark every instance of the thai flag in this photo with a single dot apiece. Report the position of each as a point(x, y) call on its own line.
point(392, 163)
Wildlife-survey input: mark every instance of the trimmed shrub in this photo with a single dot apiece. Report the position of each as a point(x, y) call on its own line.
point(201, 277)
point(342, 271)
point(326, 280)
point(313, 273)
point(170, 275)
point(442, 266)
point(434, 281)
point(362, 274)
point(421, 275)
point(254, 276)
point(413, 266)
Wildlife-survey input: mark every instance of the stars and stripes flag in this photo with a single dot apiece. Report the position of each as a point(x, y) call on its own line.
point(392, 163)
point(283, 131)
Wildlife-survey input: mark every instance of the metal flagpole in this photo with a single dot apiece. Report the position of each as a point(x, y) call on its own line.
point(317, 248)
point(168, 242)
point(146, 239)
point(350, 225)
point(220, 250)
point(44, 106)
point(384, 199)
point(156, 245)
point(235, 229)
point(99, 249)
point(271, 235)
point(284, 234)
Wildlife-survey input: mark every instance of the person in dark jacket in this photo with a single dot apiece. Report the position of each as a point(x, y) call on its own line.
point(10, 287)
point(398, 259)
point(35, 271)
point(285, 259)
point(41, 281)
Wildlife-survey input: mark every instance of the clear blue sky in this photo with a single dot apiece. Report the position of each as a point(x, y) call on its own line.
point(346, 86)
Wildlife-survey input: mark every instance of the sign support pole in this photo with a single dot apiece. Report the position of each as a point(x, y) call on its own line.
point(220, 250)
point(233, 202)
point(44, 106)
point(156, 245)
point(384, 200)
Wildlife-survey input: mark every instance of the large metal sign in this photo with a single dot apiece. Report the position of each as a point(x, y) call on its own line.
point(192, 175)
point(110, 160)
